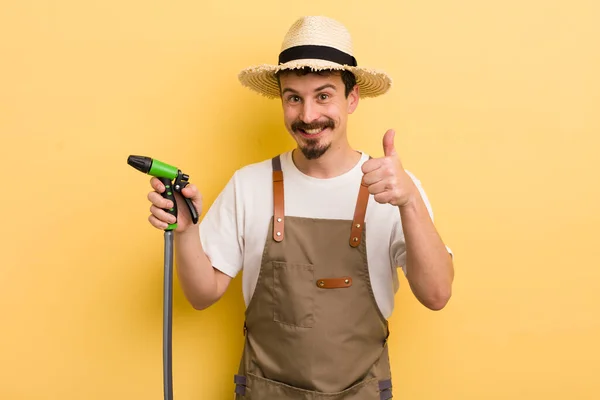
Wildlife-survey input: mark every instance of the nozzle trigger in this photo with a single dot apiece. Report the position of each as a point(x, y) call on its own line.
point(170, 187)
point(180, 182)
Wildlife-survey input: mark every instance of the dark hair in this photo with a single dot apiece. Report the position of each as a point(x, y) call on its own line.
point(347, 77)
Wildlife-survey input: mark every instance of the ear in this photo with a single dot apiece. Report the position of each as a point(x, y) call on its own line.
point(353, 97)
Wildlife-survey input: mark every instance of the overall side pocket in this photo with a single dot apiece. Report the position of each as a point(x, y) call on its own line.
point(294, 294)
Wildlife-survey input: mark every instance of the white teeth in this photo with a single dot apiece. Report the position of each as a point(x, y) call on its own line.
point(313, 131)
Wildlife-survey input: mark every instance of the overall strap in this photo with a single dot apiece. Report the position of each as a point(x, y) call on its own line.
point(360, 212)
point(359, 215)
point(278, 204)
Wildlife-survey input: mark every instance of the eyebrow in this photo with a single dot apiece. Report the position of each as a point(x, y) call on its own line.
point(327, 85)
point(288, 90)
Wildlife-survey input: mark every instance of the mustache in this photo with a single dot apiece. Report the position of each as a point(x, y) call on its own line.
point(328, 123)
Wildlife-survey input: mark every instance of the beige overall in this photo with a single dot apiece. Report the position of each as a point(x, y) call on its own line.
point(313, 329)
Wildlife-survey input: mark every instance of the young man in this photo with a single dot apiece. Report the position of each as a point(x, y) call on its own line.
point(318, 231)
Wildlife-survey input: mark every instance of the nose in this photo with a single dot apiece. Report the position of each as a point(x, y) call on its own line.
point(310, 112)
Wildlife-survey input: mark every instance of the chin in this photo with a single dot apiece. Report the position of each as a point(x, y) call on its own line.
point(314, 152)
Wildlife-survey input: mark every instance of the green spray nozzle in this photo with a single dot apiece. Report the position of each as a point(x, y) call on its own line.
point(171, 177)
point(153, 167)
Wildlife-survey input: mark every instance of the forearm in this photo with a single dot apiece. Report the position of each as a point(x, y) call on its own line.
point(196, 274)
point(429, 265)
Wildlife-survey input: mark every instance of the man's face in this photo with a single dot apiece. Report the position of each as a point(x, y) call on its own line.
point(315, 110)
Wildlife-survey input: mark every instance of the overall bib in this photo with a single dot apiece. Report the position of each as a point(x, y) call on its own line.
point(313, 330)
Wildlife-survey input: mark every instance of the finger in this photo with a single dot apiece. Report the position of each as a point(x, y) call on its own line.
point(373, 177)
point(159, 201)
point(371, 165)
point(379, 187)
point(383, 198)
point(190, 191)
point(157, 184)
point(162, 215)
point(388, 143)
point(155, 222)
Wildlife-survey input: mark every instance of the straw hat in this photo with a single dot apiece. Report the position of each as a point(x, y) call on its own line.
point(319, 43)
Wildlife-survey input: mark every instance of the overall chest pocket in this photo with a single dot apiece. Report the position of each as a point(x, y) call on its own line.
point(294, 294)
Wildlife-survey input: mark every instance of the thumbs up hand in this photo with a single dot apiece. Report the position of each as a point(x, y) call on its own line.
point(385, 177)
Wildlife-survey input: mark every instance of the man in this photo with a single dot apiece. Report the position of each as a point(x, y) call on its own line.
point(318, 232)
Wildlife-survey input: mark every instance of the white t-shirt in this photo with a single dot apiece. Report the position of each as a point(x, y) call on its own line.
point(234, 229)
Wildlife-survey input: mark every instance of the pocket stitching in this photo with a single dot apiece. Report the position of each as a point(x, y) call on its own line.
point(309, 320)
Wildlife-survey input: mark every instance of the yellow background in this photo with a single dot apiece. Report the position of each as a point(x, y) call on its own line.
point(496, 107)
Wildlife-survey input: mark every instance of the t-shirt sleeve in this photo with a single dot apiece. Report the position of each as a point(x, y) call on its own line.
point(221, 231)
point(398, 247)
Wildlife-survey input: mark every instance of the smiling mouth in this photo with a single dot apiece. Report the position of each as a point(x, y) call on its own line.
point(311, 132)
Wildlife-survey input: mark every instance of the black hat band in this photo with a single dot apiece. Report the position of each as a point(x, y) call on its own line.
point(317, 52)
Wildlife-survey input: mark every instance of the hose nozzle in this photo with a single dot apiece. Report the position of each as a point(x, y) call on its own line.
point(166, 173)
point(153, 167)
point(140, 163)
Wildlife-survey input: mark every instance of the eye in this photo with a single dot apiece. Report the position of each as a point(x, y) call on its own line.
point(293, 99)
point(323, 96)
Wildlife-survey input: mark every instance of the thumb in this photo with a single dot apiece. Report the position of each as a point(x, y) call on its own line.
point(388, 143)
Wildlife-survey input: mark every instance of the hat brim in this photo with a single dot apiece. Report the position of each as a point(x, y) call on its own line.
point(262, 78)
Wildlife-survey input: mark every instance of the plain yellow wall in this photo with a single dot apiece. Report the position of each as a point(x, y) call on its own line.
point(496, 107)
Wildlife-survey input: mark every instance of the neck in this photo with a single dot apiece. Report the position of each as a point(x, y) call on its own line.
point(336, 161)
